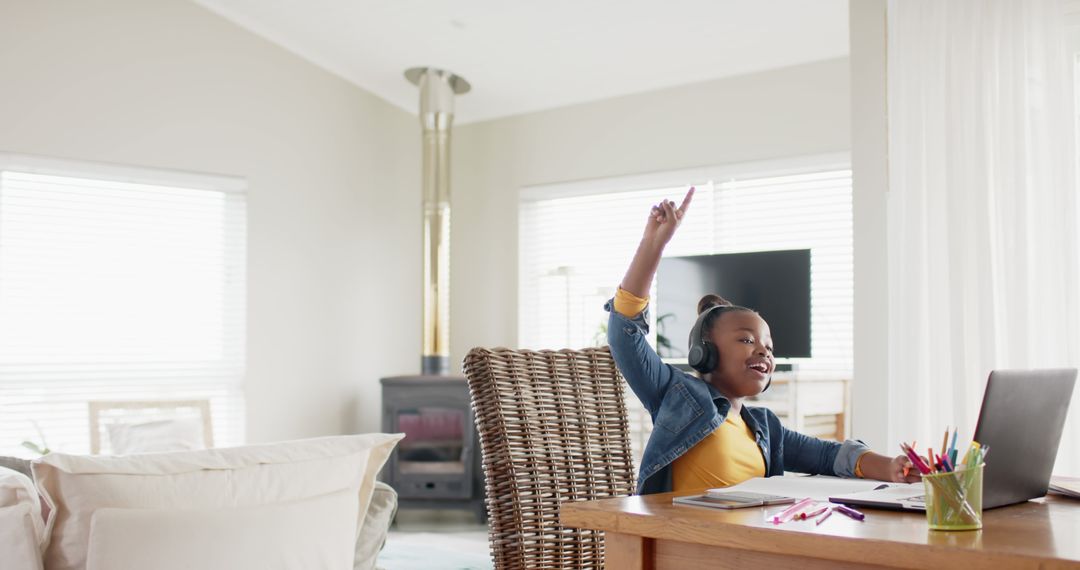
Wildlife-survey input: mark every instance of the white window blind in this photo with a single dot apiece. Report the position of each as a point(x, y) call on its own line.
point(575, 247)
point(117, 284)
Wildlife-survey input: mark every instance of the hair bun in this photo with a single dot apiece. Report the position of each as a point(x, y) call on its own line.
point(711, 300)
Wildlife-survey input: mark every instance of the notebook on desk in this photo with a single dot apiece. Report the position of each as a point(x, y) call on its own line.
point(1066, 486)
point(895, 496)
point(794, 487)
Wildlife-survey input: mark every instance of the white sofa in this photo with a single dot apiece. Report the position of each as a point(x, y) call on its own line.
point(22, 528)
point(301, 504)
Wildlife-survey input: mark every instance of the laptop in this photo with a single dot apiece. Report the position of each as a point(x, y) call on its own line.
point(1021, 419)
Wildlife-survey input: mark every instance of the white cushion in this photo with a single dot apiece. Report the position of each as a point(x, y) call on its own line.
point(312, 533)
point(180, 434)
point(224, 478)
point(22, 531)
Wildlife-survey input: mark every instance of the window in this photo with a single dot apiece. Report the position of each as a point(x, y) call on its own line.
point(576, 241)
point(116, 284)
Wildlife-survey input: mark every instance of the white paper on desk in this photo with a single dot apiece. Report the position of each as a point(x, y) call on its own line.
point(1068, 486)
point(816, 487)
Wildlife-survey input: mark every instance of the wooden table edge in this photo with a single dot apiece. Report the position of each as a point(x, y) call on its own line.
point(589, 515)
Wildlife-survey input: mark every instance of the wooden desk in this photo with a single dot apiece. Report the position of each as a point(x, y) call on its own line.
point(650, 533)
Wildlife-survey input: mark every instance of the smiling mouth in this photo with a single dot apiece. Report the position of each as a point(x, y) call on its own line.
point(760, 367)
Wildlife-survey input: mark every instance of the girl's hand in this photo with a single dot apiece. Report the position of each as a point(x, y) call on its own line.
point(664, 219)
point(902, 471)
point(892, 469)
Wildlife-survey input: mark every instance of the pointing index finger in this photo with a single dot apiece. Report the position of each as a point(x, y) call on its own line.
point(686, 200)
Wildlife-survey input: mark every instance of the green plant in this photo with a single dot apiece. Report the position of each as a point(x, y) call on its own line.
point(42, 449)
point(663, 342)
point(600, 337)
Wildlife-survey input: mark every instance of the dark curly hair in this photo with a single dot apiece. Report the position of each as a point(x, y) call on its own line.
point(709, 301)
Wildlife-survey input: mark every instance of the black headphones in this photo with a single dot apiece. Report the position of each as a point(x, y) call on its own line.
point(703, 355)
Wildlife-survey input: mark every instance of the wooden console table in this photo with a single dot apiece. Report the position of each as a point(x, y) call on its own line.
point(649, 533)
point(810, 406)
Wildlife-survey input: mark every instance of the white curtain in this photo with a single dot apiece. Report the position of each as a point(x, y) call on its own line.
point(984, 257)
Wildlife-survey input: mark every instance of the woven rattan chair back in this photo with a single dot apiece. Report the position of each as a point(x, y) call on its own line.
point(553, 428)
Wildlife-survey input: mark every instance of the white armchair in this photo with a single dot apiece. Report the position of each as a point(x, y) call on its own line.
point(140, 426)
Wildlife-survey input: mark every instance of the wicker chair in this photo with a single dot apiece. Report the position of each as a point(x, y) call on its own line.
point(553, 428)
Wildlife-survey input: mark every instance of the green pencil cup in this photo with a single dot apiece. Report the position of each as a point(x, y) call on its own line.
point(954, 499)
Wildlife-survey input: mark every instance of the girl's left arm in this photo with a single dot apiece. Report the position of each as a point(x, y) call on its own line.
point(852, 458)
point(807, 454)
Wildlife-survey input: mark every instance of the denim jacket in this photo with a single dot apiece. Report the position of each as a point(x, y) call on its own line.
point(685, 409)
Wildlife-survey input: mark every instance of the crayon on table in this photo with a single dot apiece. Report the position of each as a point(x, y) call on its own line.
point(846, 510)
point(804, 515)
point(787, 513)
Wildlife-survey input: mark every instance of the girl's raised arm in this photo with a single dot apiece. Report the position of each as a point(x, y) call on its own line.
point(664, 219)
point(647, 375)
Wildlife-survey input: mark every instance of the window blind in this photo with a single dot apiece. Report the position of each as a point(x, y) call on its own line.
point(117, 285)
point(575, 247)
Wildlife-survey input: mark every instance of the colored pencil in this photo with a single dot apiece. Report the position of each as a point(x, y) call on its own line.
point(967, 454)
point(923, 467)
point(914, 457)
point(805, 515)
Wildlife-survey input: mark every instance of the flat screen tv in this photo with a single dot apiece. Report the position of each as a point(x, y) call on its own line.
point(776, 284)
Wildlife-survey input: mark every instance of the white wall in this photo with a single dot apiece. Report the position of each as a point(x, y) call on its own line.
point(788, 112)
point(334, 201)
point(334, 212)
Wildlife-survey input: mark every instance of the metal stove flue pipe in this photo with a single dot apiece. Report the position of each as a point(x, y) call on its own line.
point(437, 90)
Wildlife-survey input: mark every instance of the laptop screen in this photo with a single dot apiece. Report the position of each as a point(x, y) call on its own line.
point(1022, 417)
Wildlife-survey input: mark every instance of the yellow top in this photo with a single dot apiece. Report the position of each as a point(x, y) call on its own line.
point(628, 304)
point(727, 456)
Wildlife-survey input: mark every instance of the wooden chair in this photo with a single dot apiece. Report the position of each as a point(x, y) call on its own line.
point(553, 428)
point(104, 412)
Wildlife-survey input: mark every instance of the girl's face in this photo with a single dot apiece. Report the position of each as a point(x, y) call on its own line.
point(746, 354)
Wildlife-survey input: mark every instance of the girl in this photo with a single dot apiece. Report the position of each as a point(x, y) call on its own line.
point(703, 436)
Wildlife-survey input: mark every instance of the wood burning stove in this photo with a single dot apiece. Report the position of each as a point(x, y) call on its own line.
point(437, 465)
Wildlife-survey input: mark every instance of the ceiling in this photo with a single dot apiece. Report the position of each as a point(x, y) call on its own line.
point(527, 56)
